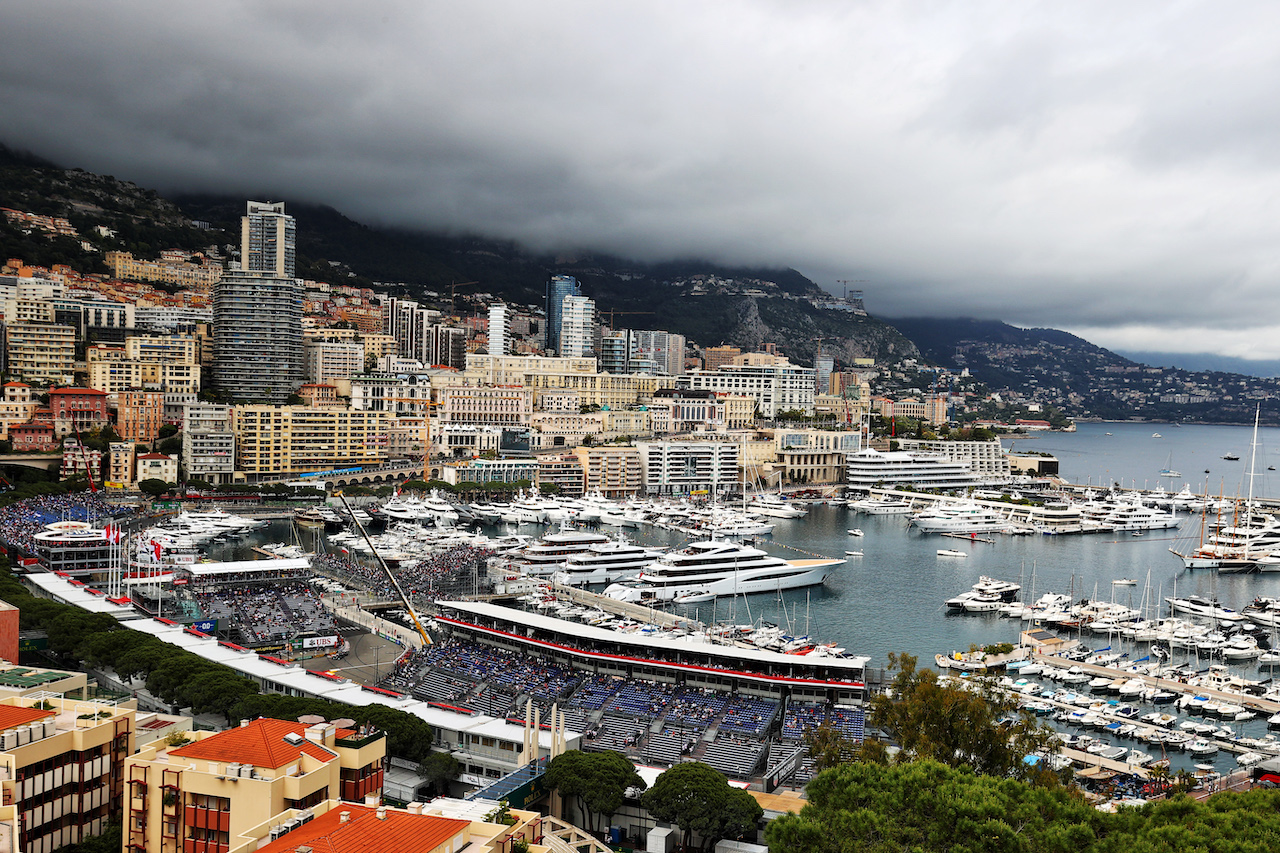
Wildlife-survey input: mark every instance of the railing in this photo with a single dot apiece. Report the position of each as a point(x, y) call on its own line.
point(564, 837)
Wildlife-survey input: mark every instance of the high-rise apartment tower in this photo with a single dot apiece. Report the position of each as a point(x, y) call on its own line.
point(558, 288)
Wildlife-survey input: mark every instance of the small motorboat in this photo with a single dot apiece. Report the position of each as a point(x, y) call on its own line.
point(695, 596)
point(951, 552)
point(1123, 582)
point(855, 532)
point(853, 553)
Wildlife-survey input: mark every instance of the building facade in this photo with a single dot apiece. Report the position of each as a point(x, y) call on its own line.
point(297, 439)
point(40, 352)
point(258, 350)
point(268, 240)
point(774, 387)
point(613, 471)
point(208, 443)
point(558, 287)
point(501, 406)
point(198, 797)
point(577, 327)
point(499, 334)
point(689, 467)
point(64, 759)
point(139, 415)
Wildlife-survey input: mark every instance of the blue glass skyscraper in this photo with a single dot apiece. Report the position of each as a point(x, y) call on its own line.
point(558, 287)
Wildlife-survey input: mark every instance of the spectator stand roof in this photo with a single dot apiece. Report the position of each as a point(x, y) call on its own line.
point(294, 677)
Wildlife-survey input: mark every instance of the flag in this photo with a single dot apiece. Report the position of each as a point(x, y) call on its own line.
point(155, 546)
point(345, 551)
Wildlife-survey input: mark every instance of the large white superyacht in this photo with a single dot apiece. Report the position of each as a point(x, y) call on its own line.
point(605, 562)
point(963, 517)
point(721, 568)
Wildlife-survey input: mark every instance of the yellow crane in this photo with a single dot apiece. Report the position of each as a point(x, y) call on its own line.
point(395, 582)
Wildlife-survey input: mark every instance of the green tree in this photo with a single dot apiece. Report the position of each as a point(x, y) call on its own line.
point(439, 769)
point(959, 725)
point(829, 747)
point(597, 781)
point(699, 799)
point(924, 805)
point(218, 691)
point(153, 487)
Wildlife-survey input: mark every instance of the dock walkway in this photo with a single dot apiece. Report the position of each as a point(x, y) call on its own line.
point(1254, 703)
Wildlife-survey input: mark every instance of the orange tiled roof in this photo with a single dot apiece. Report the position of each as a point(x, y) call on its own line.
point(400, 832)
point(261, 743)
point(12, 716)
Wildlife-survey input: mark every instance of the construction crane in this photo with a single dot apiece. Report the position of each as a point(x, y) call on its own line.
point(453, 291)
point(395, 583)
point(612, 311)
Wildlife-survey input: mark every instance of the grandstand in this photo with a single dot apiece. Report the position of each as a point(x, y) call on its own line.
point(649, 721)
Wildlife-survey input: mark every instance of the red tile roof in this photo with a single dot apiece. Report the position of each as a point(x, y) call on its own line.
point(92, 392)
point(261, 743)
point(400, 832)
point(12, 716)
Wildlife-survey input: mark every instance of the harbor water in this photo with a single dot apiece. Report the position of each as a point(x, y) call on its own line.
point(891, 598)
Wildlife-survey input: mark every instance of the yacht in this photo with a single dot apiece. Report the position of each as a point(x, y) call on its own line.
point(960, 518)
point(881, 506)
point(986, 588)
point(1197, 606)
point(431, 509)
point(604, 563)
point(545, 555)
point(1135, 516)
point(774, 506)
point(720, 567)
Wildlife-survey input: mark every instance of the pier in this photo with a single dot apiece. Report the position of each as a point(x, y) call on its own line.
point(1255, 703)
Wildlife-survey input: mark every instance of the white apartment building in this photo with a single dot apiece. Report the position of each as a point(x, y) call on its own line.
point(414, 393)
point(689, 467)
point(577, 326)
point(168, 317)
point(774, 387)
point(208, 443)
point(499, 333)
point(665, 349)
point(331, 362)
point(502, 406)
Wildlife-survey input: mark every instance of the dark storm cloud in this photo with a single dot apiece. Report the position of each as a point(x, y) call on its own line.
point(1096, 166)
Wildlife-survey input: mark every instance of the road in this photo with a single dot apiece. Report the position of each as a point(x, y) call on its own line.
point(370, 659)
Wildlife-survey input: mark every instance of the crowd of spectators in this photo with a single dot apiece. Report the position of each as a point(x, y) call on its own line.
point(268, 613)
point(22, 520)
point(437, 575)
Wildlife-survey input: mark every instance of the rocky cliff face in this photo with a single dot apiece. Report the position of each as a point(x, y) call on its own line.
point(797, 326)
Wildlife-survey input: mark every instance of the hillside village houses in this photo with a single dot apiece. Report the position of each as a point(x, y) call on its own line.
point(378, 381)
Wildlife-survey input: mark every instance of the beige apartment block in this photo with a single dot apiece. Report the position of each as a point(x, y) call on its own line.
point(41, 352)
point(16, 406)
point(501, 406)
point(63, 760)
point(139, 415)
point(613, 471)
point(617, 391)
point(511, 369)
point(299, 439)
point(200, 796)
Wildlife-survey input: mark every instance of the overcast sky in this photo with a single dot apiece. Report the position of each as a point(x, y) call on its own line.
point(1106, 168)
